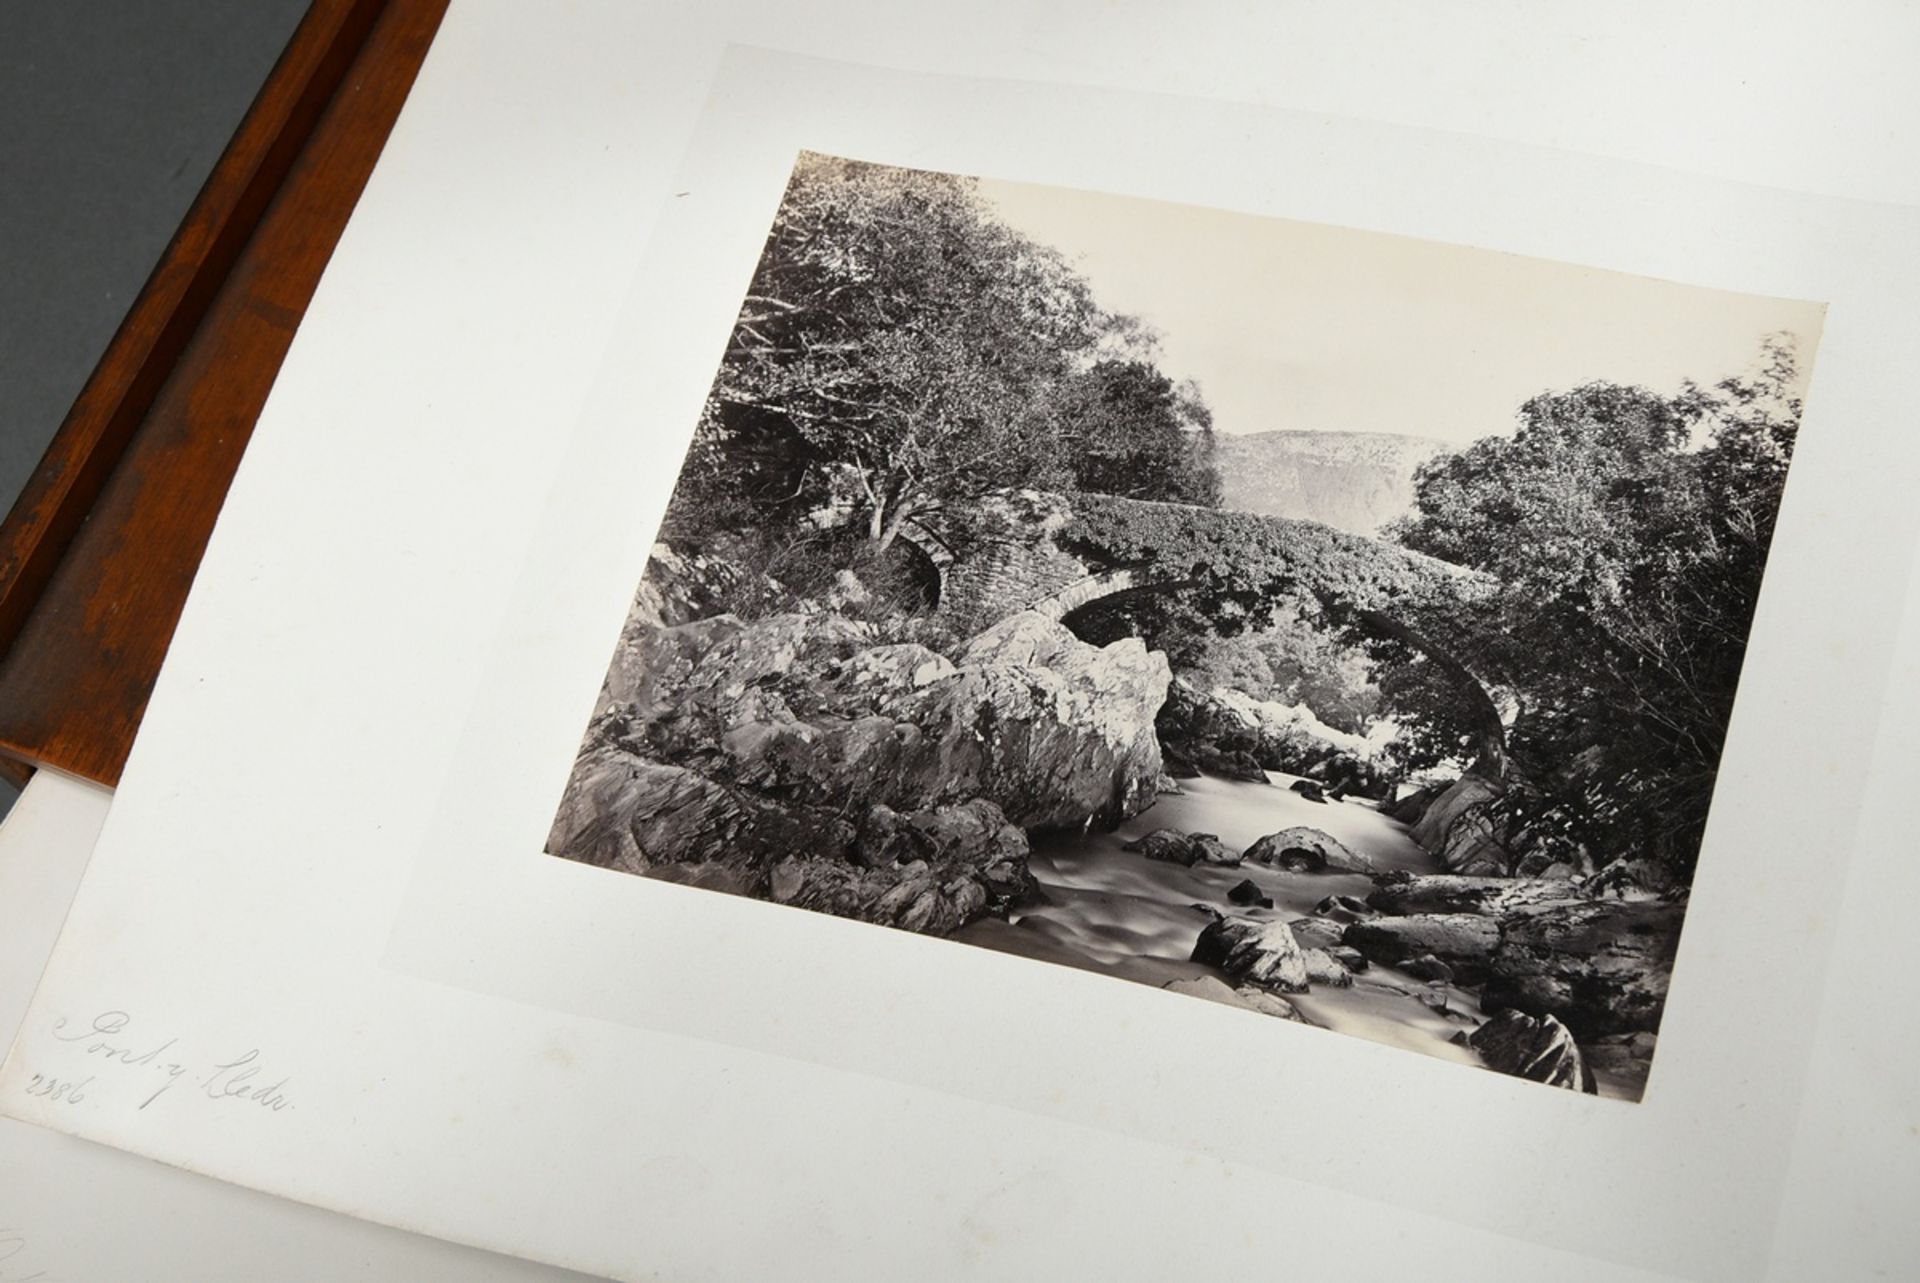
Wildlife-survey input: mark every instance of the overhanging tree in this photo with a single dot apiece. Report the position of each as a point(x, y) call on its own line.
point(902, 348)
point(1627, 533)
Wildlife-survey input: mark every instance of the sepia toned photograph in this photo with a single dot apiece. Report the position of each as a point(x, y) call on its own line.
point(1335, 626)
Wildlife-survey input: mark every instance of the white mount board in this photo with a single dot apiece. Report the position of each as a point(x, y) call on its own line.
point(388, 626)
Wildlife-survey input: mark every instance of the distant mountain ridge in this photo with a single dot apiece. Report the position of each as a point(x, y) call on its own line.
point(1357, 481)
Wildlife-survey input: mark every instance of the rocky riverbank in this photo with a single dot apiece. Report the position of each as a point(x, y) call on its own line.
point(817, 759)
point(800, 758)
point(1531, 976)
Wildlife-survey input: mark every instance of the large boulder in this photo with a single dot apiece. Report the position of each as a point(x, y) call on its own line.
point(877, 673)
point(916, 897)
point(1291, 739)
point(1057, 733)
point(1464, 941)
point(1459, 827)
point(1600, 967)
point(1410, 808)
point(790, 654)
point(1256, 953)
point(624, 812)
point(675, 692)
point(652, 664)
point(930, 870)
point(974, 834)
point(1204, 734)
point(1307, 850)
point(1541, 1050)
point(1228, 733)
point(800, 758)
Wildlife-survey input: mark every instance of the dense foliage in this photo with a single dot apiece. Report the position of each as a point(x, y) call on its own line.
point(1291, 657)
point(1129, 430)
point(1237, 566)
point(1627, 534)
point(902, 349)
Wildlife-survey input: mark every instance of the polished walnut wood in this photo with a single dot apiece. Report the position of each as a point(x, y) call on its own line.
point(98, 553)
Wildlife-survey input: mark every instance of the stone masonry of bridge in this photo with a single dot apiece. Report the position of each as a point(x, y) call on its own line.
point(1003, 555)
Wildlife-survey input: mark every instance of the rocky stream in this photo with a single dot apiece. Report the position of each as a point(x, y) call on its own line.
point(1013, 793)
point(1102, 907)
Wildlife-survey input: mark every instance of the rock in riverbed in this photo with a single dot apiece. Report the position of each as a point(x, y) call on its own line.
point(1301, 849)
point(1352, 959)
point(1427, 967)
point(1325, 969)
point(1458, 826)
point(1463, 941)
point(1317, 933)
point(1247, 892)
point(1544, 947)
point(1541, 1050)
point(1258, 953)
point(1175, 847)
point(1343, 908)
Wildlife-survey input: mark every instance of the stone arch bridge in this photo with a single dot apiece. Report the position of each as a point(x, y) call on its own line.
point(1058, 554)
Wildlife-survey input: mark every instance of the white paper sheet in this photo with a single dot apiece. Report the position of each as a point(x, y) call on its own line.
point(241, 908)
point(1620, 1182)
point(73, 1210)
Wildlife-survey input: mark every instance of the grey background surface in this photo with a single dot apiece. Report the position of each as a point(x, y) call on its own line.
point(112, 113)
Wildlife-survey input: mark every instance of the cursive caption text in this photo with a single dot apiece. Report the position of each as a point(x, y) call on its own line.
point(113, 1051)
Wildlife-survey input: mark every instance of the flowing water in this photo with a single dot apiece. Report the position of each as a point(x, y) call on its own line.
point(1104, 909)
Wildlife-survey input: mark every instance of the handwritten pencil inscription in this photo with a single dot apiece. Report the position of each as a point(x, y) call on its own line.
point(112, 1050)
point(14, 1269)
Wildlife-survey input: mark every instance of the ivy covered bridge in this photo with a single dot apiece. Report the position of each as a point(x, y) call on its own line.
point(1088, 559)
point(1070, 556)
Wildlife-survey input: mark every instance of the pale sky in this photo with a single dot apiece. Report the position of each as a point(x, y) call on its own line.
point(1303, 326)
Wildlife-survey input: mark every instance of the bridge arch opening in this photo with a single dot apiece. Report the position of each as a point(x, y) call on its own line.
point(921, 575)
point(1117, 613)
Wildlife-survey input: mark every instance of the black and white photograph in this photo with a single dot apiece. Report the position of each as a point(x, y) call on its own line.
point(1339, 627)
